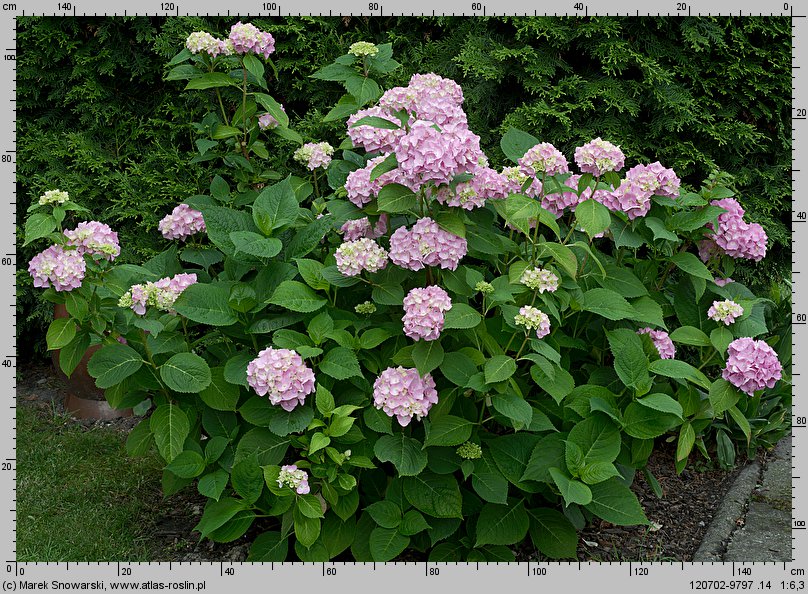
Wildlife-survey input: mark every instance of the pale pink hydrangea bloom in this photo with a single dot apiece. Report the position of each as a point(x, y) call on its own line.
point(751, 365)
point(161, 294)
point(722, 282)
point(359, 228)
point(314, 155)
point(599, 156)
point(486, 184)
point(662, 341)
point(247, 38)
point(433, 86)
point(404, 394)
point(374, 140)
point(54, 197)
point(556, 202)
point(539, 279)
point(734, 237)
point(655, 178)
point(423, 312)
point(543, 157)
point(532, 318)
point(629, 198)
point(267, 121)
point(359, 187)
point(183, 222)
point(57, 267)
point(94, 238)
point(726, 311)
point(281, 375)
point(293, 477)
point(426, 245)
point(361, 254)
point(202, 41)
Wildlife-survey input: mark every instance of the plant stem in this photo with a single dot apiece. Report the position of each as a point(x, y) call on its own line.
point(524, 342)
point(316, 185)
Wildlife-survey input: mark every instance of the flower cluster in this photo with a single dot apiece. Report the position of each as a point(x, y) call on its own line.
point(751, 365)
point(532, 318)
point(427, 154)
point(358, 186)
point(247, 38)
point(370, 138)
point(723, 282)
point(655, 178)
point(361, 254)
point(486, 184)
point(484, 287)
point(662, 341)
point(543, 158)
point(160, 294)
point(426, 244)
point(94, 238)
point(514, 180)
point(294, 478)
point(314, 155)
point(359, 228)
point(365, 308)
point(281, 375)
point(404, 394)
point(734, 236)
point(54, 197)
point(57, 267)
point(470, 451)
point(202, 41)
point(183, 222)
point(267, 121)
point(633, 195)
point(539, 279)
point(361, 49)
point(423, 312)
point(599, 156)
point(725, 311)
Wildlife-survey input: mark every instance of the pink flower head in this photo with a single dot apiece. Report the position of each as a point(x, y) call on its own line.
point(160, 294)
point(426, 245)
point(361, 254)
point(629, 198)
point(359, 187)
point(486, 184)
point(92, 237)
point(556, 202)
point(723, 282)
point(662, 342)
point(267, 121)
point(370, 138)
point(404, 394)
point(751, 365)
point(247, 38)
point(183, 222)
point(543, 157)
point(359, 228)
point(281, 375)
point(314, 155)
point(599, 156)
point(432, 86)
point(423, 312)
point(294, 478)
point(539, 279)
point(734, 236)
point(655, 178)
point(201, 41)
point(726, 311)
point(532, 318)
point(57, 267)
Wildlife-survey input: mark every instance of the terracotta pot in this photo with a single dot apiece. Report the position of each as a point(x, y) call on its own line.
point(83, 399)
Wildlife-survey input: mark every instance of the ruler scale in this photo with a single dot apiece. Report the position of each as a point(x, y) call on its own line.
point(396, 576)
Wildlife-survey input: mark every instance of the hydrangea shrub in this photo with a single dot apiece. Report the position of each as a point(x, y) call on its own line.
point(399, 347)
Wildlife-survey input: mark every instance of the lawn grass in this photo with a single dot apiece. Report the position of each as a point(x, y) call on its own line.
point(79, 496)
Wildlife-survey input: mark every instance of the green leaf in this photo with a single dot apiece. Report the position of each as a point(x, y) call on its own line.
point(659, 230)
point(71, 354)
point(186, 372)
point(516, 143)
point(458, 368)
point(597, 472)
point(687, 437)
point(427, 355)
point(283, 423)
point(412, 523)
point(499, 368)
point(363, 89)
point(622, 281)
point(376, 122)
point(462, 316)
point(266, 447)
point(488, 481)
point(340, 363)
point(404, 452)
point(548, 452)
point(256, 245)
point(309, 506)
point(373, 337)
point(552, 533)
point(720, 339)
point(187, 464)
point(448, 430)
point(255, 67)
point(598, 439)
point(37, 226)
point(648, 311)
point(389, 162)
point(217, 514)
point(386, 544)
point(76, 306)
point(296, 296)
point(690, 336)
point(275, 207)
point(308, 238)
point(307, 530)
point(385, 513)
point(248, 479)
point(269, 546)
point(615, 503)
point(170, 428)
point(388, 293)
point(680, 370)
point(723, 396)
point(516, 408)
point(592, 216)
point(344, 107)
point(324, 400)
point(607, 303)
point(220, 394)
point(60, 333)
point(396, 198)
point(334, 72)
point(377, 420)
point(519, 211)
point(206, 304)
point(562, 255)
point(630, 360)
point(662, 403)
point(212, 485)
point(435, 495)
point(643, 422)
point(571, 490)
point(501, 524)
point(139, 439)
point(112, 364)
point(742, 422)
point(318, 442)
point(212, 80)
point(690, 264)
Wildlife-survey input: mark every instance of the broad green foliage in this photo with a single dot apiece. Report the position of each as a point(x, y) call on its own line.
point(534, 431)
